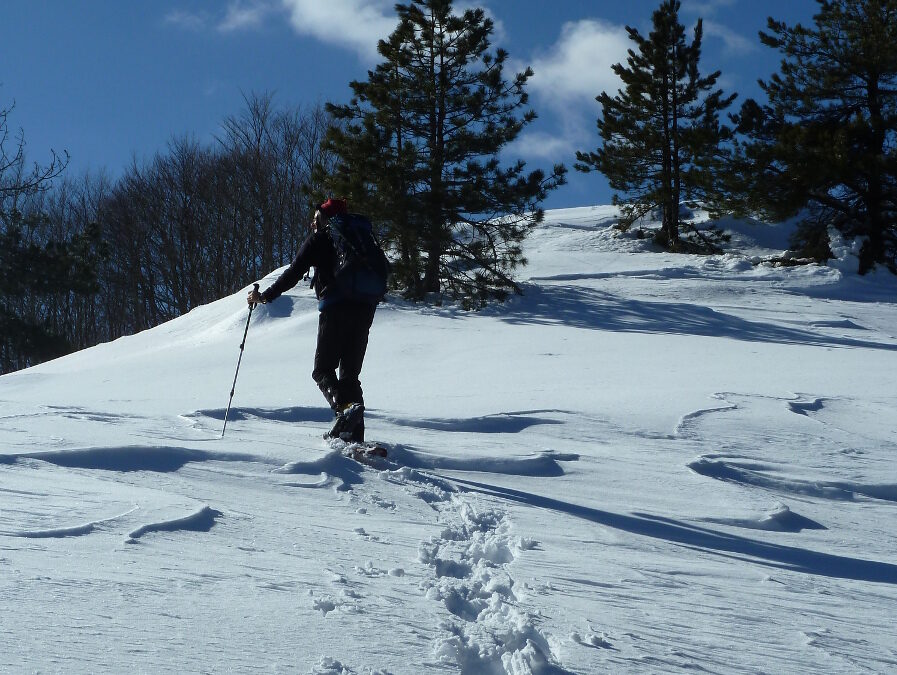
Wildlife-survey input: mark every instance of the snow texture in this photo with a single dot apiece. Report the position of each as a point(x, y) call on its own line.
point(647, 463)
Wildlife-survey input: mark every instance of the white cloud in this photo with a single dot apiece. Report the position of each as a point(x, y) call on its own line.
point(705, 7)
point(240, 16)
point(733, 42)
point(567, 78)
point(539, 145)
point(187, 20)
point(354, 24)
point(359, 25)
point(578, 67)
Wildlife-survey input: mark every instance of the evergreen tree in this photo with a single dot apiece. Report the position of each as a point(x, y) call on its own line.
point(662, 140)
point(418, 149)
point(36, 285)
point(826, 142)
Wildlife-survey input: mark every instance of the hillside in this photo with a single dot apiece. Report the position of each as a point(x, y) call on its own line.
point(647, 463)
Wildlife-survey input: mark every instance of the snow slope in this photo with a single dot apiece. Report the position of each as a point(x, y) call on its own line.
point(647, 463)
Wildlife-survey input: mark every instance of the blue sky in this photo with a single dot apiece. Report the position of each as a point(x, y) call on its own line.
point(113, 81)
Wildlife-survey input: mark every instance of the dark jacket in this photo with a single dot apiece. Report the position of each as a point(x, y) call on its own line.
point(316, 251)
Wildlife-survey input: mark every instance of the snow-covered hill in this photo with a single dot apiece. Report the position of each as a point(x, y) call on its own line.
point(648, 463)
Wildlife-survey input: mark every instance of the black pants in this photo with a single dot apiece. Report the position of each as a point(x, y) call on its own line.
point(342, 341)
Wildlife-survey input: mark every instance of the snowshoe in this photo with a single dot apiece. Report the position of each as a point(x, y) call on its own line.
point(366, 453)
point(369, 449)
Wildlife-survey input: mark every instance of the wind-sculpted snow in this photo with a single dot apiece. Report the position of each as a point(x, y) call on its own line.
point(781, 519)
point(504, 423)
point(545, 464)
point(73, 531)
point(334, 468)
point(337, 469)
point(806, 407)
point(748, 473)
point(290, 415)
point(814, 425)
point(202, 520)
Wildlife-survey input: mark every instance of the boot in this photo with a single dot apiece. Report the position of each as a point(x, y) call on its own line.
point(358, 433)
point(347, 423)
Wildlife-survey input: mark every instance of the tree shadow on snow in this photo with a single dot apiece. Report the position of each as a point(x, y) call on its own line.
point(790, 558)
point(597, 310)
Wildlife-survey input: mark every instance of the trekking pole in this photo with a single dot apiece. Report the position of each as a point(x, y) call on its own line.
point(242, 345)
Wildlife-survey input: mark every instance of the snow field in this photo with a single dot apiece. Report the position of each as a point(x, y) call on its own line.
point(648, 463)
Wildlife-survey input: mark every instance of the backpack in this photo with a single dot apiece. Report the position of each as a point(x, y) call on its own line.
point(361, 271)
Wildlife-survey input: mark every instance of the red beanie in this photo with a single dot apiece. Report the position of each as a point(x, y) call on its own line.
point(333, 206)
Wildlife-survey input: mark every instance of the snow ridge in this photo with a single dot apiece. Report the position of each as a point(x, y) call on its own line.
point(74, 531)
point(202, 520)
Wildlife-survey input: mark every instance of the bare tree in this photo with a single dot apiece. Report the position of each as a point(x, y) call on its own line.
point(17, 179)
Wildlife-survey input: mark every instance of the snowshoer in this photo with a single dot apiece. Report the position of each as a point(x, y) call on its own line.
point(347, 300)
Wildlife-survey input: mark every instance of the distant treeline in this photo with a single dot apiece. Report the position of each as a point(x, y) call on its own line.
point(85, 260)
point(88, 260)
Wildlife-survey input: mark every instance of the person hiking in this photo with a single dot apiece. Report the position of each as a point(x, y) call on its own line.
point(349, 281)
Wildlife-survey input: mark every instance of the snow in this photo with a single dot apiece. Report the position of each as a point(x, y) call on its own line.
point(647, 463)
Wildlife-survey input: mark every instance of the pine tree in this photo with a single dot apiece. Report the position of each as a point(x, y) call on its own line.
point(825, 145)
point(663, 143)
point(418, 149)
point(36, 283)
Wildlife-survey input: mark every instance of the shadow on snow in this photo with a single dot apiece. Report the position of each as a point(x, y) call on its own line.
point(597, 310)
point(790, 558)
point(501, 423)
point(162, 459)
point(292, 414)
